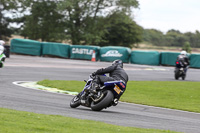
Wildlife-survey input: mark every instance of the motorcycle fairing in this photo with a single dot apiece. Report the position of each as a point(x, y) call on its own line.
point(119, 86)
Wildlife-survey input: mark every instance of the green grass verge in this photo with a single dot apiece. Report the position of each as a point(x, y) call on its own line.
point(167, 94)
point(13, 121)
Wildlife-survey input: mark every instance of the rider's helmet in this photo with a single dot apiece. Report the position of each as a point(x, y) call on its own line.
point(183, 53)
point(2, 42)
point(118, 62)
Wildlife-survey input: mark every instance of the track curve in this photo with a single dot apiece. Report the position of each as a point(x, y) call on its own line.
point(31, 68)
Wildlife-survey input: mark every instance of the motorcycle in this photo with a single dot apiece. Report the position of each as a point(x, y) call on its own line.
point(2, 56)
point(106, 96)
point(179, 71)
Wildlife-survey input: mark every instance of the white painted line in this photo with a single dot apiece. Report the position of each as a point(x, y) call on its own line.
point(154, 107)
point(35, 86)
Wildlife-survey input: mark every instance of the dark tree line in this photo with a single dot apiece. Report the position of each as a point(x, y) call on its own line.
point(91, 22)
point(85, 22)
point(5, 30)
point(171, 38)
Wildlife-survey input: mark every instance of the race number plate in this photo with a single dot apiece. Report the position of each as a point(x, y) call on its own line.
point(117, 89)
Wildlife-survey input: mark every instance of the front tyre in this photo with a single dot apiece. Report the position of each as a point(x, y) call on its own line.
point(75, 102)
point(183, 77)
point(106, 100)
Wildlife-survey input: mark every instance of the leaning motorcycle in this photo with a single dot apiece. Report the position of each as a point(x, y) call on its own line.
point(105, 97)
point(2, 56)
point(179, 71)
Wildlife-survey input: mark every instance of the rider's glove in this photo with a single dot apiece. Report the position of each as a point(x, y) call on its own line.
point(93, 74)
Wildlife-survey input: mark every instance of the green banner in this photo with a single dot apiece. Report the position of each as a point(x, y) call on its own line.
point(83, 52)
point(111, 53)
point(169, 58)
point(195, 60)
point(26, 46)
point(55, 49)
point(145, 57)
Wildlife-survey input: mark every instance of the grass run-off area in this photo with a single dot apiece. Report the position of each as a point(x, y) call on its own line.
point(13, 121)
point(182, 95)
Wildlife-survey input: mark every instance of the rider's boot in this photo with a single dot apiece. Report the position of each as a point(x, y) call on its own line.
point(94, 87)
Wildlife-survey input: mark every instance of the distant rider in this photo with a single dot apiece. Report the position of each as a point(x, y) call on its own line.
point(183, 58)
point(2, 56)
point(115, 71)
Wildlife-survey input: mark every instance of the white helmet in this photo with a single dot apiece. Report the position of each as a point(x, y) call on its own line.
point(183, 52)
point(2, 42)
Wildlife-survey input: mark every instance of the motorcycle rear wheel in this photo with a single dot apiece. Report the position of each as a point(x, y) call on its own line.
point(176, 75)
point(106, 100)
point(75, 102)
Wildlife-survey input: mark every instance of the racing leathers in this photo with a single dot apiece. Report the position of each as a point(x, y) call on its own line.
point(184, 60)
point(115, 73)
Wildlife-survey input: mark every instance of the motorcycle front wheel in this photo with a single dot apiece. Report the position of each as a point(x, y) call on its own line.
point(183, 77)
point(75, 102)
point(106, 100)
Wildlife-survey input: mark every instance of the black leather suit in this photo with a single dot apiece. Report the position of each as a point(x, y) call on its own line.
point(115, 73)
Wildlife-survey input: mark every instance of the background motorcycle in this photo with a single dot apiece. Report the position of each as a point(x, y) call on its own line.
point(106, 96)
point(2, 56)
point(179, 71)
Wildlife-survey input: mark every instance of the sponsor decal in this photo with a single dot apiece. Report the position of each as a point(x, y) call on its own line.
point(82, 51)
point(112, 53)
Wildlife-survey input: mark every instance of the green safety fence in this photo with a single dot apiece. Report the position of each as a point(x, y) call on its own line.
point(26, 46)
point(83, 52)
point(111, 53)
point(56, 49)
point(145, 57)
point(169, 58)
point(195, 60)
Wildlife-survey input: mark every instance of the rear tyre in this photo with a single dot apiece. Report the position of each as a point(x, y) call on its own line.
point(106, 100)
point(176, 75)
point(75, 102)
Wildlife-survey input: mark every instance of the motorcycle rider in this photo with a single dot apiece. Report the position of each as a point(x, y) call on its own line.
point(183, 58)
point(116, 73)
point(2, 56)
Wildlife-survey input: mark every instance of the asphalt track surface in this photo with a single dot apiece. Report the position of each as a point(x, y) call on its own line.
point(33, 68)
